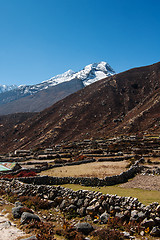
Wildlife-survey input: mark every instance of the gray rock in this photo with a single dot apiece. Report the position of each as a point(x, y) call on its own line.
point(157, 220)
point(72, 208)
point(126, 235)
point(148, 222)
point(28, 217)
point(91, 210)
point(17, 211)
point(158, 209)
point(155, 231)
point(80, 202)
point(84, 227)
point(18, 204)
point(141, 215)
point(104, 217)
point(120, 215)
point(134, 214)
point(105, 205)
point(81, 211)
point(117, 209)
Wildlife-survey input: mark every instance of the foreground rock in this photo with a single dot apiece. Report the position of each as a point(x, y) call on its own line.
point(95, 204)
point(84, 228)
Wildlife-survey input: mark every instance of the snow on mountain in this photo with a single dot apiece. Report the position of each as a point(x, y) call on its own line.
point(5, 88)
point(90, 74)
point(94, 72)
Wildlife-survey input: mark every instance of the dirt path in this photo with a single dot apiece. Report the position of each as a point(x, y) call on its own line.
point(8, 230)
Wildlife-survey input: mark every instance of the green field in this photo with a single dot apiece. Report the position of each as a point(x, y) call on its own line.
point(144, 196)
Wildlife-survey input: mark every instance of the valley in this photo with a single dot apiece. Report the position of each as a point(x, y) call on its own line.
point(93, 157)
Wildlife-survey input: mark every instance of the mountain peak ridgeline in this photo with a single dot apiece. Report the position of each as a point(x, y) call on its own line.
point(35, 98)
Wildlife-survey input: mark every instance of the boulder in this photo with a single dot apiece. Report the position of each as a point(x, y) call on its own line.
point(17, 211)
point(155, 232)
point(148, 223)
point(104, 217)
point(28, 217)
point(84, 227)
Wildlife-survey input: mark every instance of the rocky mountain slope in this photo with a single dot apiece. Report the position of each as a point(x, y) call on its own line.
point(5, 88)
point(35, 98)
point(125, 103)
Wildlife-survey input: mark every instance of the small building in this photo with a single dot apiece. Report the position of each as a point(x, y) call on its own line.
point(8, 166)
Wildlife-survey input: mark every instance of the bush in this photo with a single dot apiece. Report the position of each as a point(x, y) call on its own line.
point(43, 230)
point(20, 174)
point(26, 174)
point(107, 234)
point(35, 202)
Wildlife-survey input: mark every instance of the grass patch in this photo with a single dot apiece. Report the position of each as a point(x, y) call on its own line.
point(144, 196)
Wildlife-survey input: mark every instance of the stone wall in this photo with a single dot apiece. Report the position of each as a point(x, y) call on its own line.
point(85, 181)
point(84, 202)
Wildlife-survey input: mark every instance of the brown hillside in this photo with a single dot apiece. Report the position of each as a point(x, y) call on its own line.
point(42, 99)
point(124, 103)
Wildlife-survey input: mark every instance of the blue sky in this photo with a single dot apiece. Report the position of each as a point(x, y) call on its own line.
point(42, 38)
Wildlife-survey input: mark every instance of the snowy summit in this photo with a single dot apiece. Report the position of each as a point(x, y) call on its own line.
point(90, 74)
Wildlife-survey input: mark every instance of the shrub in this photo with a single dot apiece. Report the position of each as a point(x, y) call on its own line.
point(43, 230)
point(26, 174)
point(20, 174)
point(107, 234)
point(35, 202)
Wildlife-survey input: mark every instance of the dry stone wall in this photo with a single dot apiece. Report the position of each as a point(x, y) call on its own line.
point(84, 202)
point(85, 181)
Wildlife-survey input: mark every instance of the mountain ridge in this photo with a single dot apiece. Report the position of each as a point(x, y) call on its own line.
point(22, 98)
point(122, 104)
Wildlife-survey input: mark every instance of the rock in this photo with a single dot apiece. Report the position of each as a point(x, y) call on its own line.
point(80, 202)
point(91, 210)
point(105, 205)
point(117, 209)
point(141, 215)
point(148, 223)
point(18, 204)
point(157, 220)
point(155, 231)
point(104, 217)
point(142, 233)
point(158, 209)
point(28, 217)
point(120, 215)
point(71, 208)
point(64, 204)
point(17, 211)
point(134, 214)
point(84, 227)
point(95, 221)
point(81, 211)
point(126, 235)
point(86, 202)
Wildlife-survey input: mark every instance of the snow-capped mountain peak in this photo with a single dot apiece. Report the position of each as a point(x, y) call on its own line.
point(90, 74)
point(94, 72)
